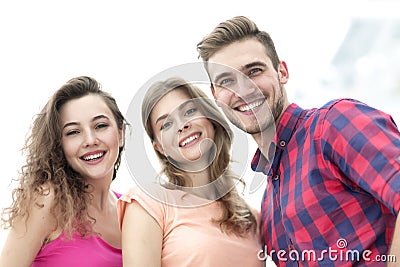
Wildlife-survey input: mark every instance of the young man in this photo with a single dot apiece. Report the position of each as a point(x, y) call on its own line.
point(333, 191)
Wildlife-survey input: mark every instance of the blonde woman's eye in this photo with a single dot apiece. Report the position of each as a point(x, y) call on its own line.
point(190, 111)
point(165, 125)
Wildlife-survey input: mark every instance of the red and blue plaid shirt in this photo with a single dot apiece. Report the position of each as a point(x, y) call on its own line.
point(333, 191)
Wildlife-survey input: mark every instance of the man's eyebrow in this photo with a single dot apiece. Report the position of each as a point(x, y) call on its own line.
point(253, 64)
point(221, 75)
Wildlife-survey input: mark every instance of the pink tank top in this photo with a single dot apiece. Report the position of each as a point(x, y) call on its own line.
point(78, 252)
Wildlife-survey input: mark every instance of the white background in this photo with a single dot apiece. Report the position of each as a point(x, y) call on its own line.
point(124, 43)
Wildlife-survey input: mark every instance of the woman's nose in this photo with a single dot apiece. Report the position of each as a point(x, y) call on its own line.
point(90, 139)
point(185, 127)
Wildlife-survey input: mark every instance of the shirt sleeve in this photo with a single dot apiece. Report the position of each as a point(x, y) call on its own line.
point(149, 202)
point(365, 145)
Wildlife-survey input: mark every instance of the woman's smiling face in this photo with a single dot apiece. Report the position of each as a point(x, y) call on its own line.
point(181, 130)
point(90, 137)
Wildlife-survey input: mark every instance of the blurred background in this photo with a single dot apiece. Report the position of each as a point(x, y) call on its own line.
point(333, 49)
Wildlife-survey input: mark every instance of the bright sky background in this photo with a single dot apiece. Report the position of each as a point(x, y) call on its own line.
point(124, 43)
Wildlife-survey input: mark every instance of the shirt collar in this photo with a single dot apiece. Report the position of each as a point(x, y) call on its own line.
point(284, 130)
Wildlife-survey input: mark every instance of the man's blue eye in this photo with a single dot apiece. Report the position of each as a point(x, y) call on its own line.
point(255, 70)
point(225, 81)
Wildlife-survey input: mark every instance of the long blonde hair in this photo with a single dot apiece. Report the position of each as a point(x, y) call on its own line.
point(237, 217)
point(47, 166)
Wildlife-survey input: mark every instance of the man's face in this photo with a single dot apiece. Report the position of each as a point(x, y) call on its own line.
point(246, 85)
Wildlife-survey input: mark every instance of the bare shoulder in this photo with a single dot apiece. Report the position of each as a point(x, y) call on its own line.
point(29, 231)
point(39, 217)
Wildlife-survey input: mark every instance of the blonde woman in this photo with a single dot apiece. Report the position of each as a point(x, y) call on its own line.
point(195, 217)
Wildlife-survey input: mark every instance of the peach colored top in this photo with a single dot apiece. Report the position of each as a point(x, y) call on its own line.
point(190, 238)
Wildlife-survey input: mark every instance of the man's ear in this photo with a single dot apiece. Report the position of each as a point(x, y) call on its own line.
point(283, 72)
point(213, 93)
point(158, 147)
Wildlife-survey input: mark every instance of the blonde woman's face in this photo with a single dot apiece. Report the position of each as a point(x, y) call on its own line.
point(181, 131)
point(90, 137)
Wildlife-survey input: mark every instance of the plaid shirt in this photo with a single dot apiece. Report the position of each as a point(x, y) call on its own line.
point(333, 191)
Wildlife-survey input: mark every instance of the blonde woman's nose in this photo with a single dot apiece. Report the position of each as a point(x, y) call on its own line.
point(185, 127)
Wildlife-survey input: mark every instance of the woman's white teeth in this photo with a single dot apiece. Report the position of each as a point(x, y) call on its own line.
point(94, 156)
point(250, 106)
point(189, 139)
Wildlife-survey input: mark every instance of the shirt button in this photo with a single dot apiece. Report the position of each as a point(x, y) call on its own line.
point(282, 143)
point(276, 177)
